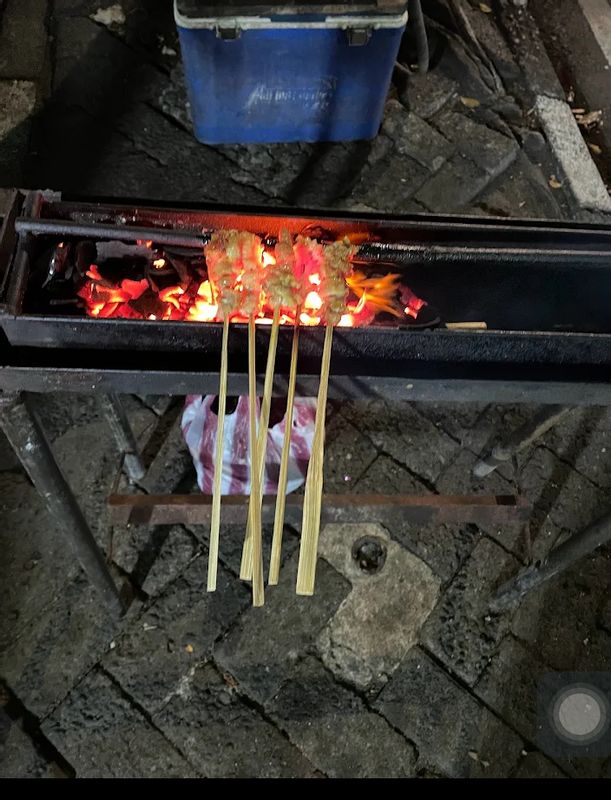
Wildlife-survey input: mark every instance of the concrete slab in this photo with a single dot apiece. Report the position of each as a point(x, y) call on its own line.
point(572, 153)
point(380, 620)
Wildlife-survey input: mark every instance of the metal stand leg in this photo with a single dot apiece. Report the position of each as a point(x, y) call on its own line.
point(503, 452)
point(24, 432)
point(557, 561)
point(124, 436)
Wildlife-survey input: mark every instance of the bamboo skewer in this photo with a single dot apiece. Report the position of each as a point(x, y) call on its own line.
point(274, 565)
point(215, 523)
point(312, 502)
point(246, 563)
point(258, 591)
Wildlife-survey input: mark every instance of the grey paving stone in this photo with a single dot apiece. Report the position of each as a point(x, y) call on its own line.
point(101, 734)
point(461, 632)
point(286, 627)
point(557, 490)
point(426, 95)
point(458, 63)
point(385, 476)
point(583, 438)
point(57, 647)
point(536, 765)
point(175, 632)
point(231, 542)
point(452, 731)
point(488, 36)
point(415, 138)
point(19, 757)
point(495, 424)
point(523, 36)
point(559, 619)
point(454, 187)
point(179, 548)
point(91, 474)
point(453, 418)
point(458, 479)
point(533, 144)
point(17, 101)
point(153, 557)
point(604, 615)
point(36, 561)
point(489, 150)
point(172, 98)
point(23, 39)
point(60, 412)
point(348, 453)
point(523, 191)
point(398, 429)
point(335, 730)
point(171, 463)
point(509, 686)
point(379, 621)
point(222, 735)
point(180, 156)
point(389, 181)
point(444, 548)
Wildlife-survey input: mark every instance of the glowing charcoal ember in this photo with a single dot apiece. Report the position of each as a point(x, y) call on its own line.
point(411, 303)
point(204, 308)
point(134, 288)
point(171, 295)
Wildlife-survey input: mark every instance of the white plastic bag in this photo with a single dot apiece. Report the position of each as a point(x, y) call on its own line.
point(199, 425)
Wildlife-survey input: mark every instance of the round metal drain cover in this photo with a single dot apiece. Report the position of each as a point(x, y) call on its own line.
point(370, 554)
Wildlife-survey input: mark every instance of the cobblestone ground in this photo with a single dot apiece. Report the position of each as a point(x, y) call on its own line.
point(398, 673)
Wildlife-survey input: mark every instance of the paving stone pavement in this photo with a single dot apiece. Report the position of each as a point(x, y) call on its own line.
point(399, 672)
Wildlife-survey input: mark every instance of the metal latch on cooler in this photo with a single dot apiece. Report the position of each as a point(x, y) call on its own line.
point(229, 33)
point(357, 37)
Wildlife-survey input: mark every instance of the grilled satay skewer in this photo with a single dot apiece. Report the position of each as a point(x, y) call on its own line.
point(222, 259)
point(274, 564)
point(285, 291)
point(336, 266)
point(251, 298)
point(281, 289)
point(246, 562)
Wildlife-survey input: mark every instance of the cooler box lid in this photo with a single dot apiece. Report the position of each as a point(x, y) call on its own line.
point(190, 11)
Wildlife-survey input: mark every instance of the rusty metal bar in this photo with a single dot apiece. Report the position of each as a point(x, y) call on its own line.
point(172, 509)
point(47, 227)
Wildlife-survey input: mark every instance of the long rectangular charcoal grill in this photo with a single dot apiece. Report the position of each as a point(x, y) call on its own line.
point(543, 289)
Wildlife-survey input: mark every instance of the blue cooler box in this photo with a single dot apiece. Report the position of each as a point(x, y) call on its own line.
point(298, 71)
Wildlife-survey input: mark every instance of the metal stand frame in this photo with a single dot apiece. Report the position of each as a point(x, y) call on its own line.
point(124, 436)
point(559, 559)
point(520, 439)
point(25, 434)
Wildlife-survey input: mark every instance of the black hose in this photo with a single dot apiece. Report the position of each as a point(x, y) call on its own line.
point(422, 43)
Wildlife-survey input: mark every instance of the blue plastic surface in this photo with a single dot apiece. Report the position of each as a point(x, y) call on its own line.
point(287, 85)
